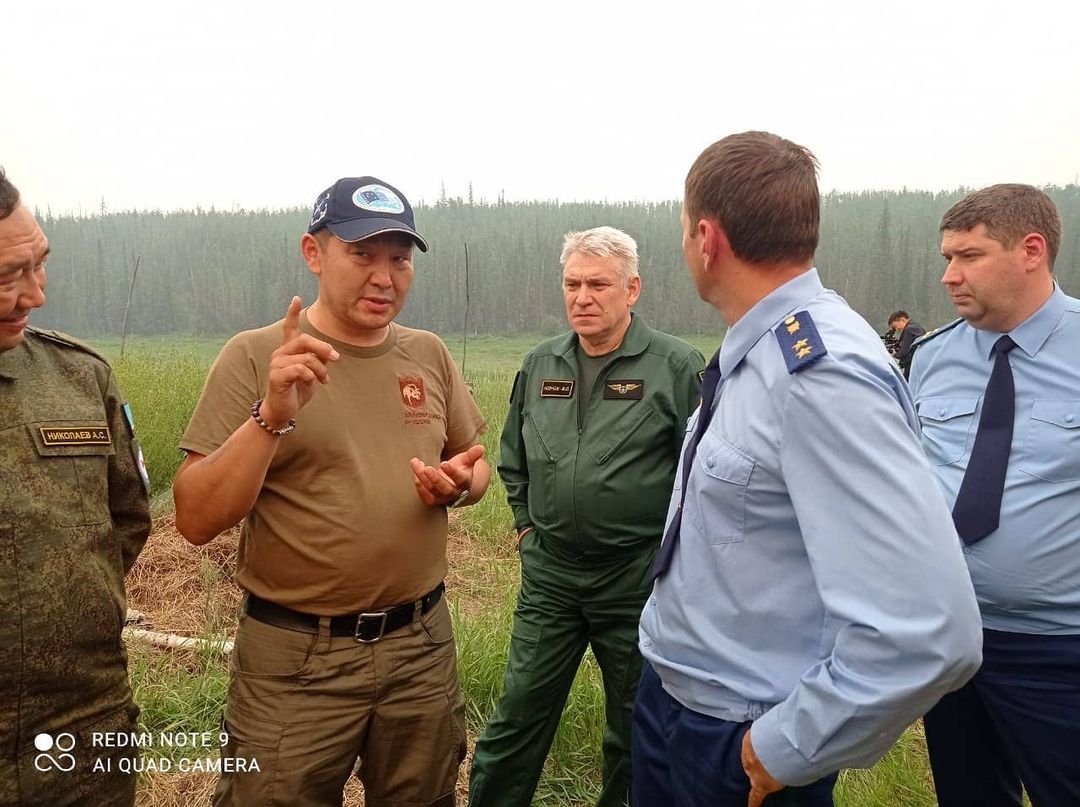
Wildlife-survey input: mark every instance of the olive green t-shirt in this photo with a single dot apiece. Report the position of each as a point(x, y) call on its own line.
point(589, 368)
point(338, 526)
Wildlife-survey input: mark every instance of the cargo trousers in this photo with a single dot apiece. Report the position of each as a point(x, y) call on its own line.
point(311, 708)
point(563, 607)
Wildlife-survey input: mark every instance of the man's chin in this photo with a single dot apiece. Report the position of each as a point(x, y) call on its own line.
point(9, 342)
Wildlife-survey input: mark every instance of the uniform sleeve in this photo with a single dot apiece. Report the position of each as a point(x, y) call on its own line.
point(231, 386)
point(513, 466)
point(887, 563)
point(129, 503)
point(687, 385)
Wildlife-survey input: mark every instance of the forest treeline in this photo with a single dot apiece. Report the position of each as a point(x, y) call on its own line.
point(214, 272)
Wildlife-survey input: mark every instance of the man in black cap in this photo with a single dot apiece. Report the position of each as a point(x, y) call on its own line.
point(341, 439)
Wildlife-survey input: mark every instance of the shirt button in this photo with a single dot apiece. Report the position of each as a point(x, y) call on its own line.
point(967, 550)
point(1068, 418)
point(941, 413)
point(710, 462)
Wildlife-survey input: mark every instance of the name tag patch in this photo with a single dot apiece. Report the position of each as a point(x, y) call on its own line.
point(624, 389)
point(60, 436)
point(556, 388)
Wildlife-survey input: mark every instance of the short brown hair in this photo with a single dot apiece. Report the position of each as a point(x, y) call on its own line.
point(9, 196)
point(763, 191)
point(1010, 212)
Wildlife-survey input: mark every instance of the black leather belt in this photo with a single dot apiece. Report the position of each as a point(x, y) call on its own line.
point(366, 627)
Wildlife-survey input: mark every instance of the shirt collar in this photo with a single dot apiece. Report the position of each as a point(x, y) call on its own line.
point(1032, 333)
point(766, 312)
point(13, 360)
point(636, 339)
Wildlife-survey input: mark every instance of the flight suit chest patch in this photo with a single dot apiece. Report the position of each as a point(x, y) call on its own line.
point(624, 389)
point(556, 388)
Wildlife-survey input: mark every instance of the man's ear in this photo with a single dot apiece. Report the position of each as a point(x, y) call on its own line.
point(312, 252)
point(635, 289)
point(1036, 252)
point(714, 241)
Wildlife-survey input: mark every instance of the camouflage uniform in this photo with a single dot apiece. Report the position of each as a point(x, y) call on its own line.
point(74, 515)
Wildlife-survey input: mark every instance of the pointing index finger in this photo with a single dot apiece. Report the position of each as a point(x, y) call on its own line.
point(291, 328)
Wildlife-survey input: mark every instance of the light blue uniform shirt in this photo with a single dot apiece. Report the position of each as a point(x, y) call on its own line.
point(818, 587)
point(1027, 572)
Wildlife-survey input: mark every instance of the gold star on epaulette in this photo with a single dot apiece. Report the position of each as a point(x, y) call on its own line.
point(802, 354)
point(799, 345)
point(792, 324)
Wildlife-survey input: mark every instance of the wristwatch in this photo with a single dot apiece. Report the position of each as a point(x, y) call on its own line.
point(460, 500)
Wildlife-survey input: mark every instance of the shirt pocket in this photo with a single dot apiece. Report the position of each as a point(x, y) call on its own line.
point(717, 493)
point(615, 436)
point(946, 424)
point(542, 454)
point(1052, 447)
point(72, 470)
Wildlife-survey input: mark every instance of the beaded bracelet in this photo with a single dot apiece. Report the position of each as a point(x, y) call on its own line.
point(286, 429)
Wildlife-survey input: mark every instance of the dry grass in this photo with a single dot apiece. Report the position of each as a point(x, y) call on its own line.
point(188, 790)
point(187, 590)
point(180, 587)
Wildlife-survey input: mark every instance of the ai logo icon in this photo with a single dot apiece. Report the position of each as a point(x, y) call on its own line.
point(54, 752)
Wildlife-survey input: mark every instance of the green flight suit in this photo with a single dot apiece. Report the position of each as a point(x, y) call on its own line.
point(74, 514)
point(596, 492)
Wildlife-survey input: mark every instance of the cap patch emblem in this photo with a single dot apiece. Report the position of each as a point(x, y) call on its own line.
point(412, 391)
point(322, 204)
point(378, 199)
point(556, 388)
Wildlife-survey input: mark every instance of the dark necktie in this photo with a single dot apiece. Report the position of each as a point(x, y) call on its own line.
point(978, 504)
point(709, 382)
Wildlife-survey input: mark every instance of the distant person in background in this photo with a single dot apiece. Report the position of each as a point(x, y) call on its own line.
point(74, 515)
point(589, 449)
point(811, 599)
point(905, 332)
point(998, 393)
point(341, 439)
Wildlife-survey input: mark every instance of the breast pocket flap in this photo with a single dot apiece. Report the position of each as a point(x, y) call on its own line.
point(942, 409)
point(1065, 414)
point(723, 461)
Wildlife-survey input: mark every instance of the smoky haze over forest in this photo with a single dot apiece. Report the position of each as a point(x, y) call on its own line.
point(213, 273)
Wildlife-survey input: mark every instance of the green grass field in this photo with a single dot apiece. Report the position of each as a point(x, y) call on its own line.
point(185, 691)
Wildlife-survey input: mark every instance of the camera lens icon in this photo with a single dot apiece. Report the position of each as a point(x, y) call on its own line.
point(59, 759)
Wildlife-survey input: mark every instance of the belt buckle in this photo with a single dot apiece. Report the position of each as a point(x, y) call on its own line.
point(381, 616)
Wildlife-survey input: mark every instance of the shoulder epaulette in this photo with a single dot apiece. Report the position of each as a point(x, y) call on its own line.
point(926, 337)
point(799, 341)
point(64, 339)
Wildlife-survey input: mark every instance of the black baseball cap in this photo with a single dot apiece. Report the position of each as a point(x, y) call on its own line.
point(355, 208)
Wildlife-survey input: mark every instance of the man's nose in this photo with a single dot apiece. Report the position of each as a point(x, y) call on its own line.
point(31, 290)
point(583, 297)
point(380, 276)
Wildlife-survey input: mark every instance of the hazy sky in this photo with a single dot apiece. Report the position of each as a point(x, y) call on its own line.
point(236, 104)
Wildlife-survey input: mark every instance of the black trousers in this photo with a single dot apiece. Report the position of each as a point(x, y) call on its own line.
point(1016, 722)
